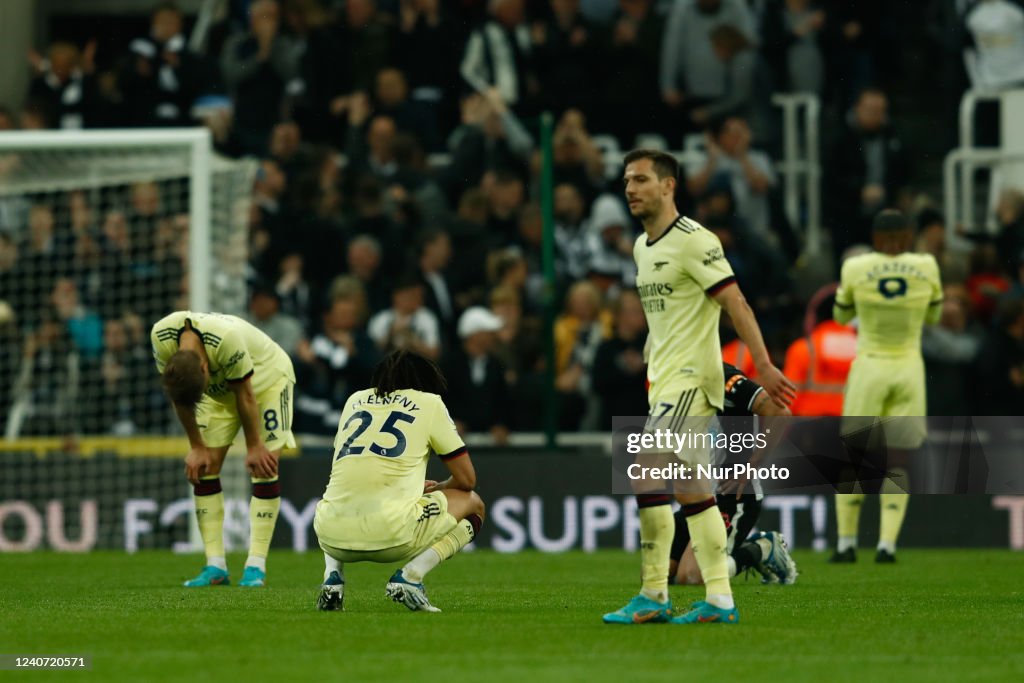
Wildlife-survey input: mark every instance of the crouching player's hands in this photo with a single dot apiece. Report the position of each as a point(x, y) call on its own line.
point(429, 486)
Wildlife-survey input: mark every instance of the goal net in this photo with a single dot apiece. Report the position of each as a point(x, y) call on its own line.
point(101, 234)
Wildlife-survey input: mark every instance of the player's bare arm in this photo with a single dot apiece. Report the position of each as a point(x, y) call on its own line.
point(260, 461)
point(781, 390)
point(199, 459)
point(463, 476)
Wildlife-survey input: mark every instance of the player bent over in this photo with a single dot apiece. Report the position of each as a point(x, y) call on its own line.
point(222, 374)
point(376, 507)
point(766, 551)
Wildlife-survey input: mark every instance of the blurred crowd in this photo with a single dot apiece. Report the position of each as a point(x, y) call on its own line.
point(396, 203)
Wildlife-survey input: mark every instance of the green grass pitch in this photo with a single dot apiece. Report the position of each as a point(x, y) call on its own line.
point(951, 615)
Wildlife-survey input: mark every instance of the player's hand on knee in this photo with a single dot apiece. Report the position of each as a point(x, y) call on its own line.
point(197, 463)
point(260, 462)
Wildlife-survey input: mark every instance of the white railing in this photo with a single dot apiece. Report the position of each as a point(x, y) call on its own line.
point(800, 166)
point(961, 165)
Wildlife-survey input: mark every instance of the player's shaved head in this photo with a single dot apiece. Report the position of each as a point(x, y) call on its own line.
point(889, 221)
point(663, 163)
point(891, 232)
point(184, 379)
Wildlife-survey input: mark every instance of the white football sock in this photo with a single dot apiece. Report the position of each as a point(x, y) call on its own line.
point(846, 542)
point(218, 562)
point(418, 566)
point(258, 562)
point(332, 565)
point(721, 601)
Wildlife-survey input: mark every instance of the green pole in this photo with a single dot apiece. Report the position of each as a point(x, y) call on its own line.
point(547, 205)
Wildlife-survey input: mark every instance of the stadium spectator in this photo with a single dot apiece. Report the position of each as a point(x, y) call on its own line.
point(874, 165)
point(565, 49)
point(293, 290)
point(10, 346)
point(931, 239)
point(63, 91)
point(734, 49)
point(489, 138)
point(576, 158)
point(997, 376)
point(391, 98)
point(691, 75)
point(46, 390)
point(478, 393)
point(370, 140)
point(619, 374)
point(572, 243)
point(84, 326)
point(1010, 240)
point(851, 38)
point(120, 394)
point(41, 259)
point(265, 314)
point(611, 238)
point(948, 33)
point(257, 65)
point(498, 54)
point(435, 255)
point(949, 350)
point(749, 173)
point(987, 281)
point(505, 195)
point(631, 49)
point(578, 333)
point(791, 34)
point(408, 324)
point(160, 78)
point(519, 337)
point(759, 265)
point(8, 121)
point(339, 359)
point(286, 149)
point(371, 218)
point(363, 259)
point(429, 49)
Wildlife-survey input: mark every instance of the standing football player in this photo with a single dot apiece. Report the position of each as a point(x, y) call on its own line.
point(892, 292)
point(376, 507)
point(222, 374)
point(684, 281)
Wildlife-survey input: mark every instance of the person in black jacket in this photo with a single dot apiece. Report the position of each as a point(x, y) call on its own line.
point(999, 368)
point(619, 375)
point(478, 395)
point(160, 78)
point(870, 168)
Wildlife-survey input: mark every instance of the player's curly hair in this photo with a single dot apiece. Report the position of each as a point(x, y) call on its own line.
point(184, 379)
point(403, 369)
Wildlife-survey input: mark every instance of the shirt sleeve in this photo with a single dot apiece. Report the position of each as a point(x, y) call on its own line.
point(444, 437)
point(704, 260)
point(161, 352)
point(843, 311)
point(935, 304)
point(233, 356)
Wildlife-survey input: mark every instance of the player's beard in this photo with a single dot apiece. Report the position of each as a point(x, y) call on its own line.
point(646, 209)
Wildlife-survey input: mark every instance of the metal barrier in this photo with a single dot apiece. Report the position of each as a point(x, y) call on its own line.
point(800, 166)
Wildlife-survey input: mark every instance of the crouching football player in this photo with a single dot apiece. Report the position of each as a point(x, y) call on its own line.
point(376, 508)
point(766, 551)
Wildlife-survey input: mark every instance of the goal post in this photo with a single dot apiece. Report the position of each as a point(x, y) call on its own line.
point(92, 233)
